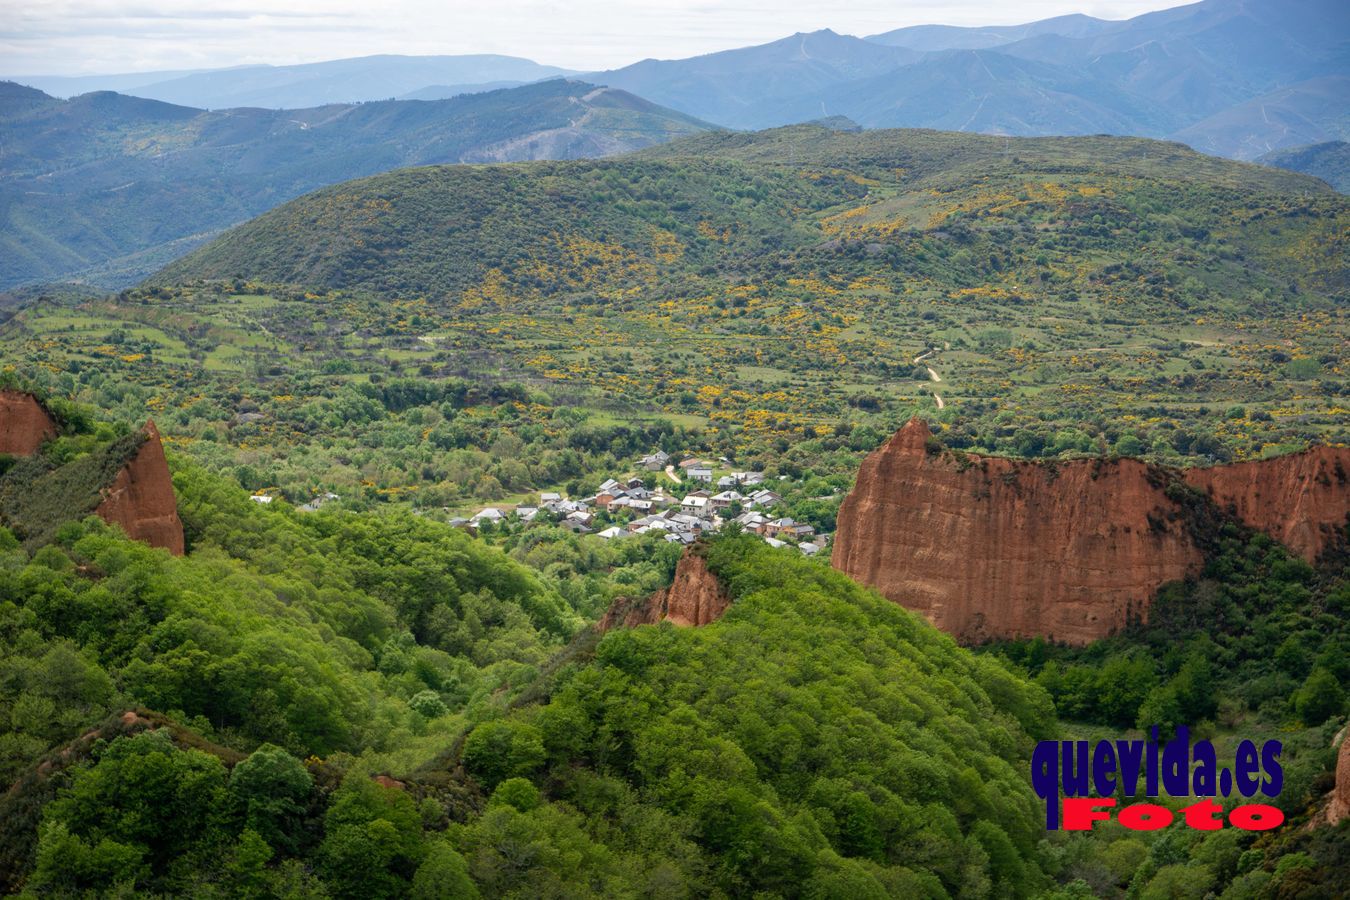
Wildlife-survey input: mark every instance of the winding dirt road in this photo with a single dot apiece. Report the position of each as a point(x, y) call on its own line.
point(932, 373)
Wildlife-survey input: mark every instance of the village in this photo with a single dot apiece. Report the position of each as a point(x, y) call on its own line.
point(657, 502)
point(629, 506)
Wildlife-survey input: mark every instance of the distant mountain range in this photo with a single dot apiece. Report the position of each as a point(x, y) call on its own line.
point(106, 188)
point(311, 84)
point(1236, 78)
point(1329, 162)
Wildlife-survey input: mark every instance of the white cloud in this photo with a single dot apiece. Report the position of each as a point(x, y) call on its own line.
point(100, 36)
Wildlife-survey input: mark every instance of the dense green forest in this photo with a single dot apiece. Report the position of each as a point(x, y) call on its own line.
point(364, 701)
point(817, 741)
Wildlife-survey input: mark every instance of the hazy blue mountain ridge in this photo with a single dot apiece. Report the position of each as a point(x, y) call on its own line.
point(383, 77)
point(110, 187)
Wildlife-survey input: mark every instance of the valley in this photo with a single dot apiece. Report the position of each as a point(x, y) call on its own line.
point(545, 493)
point(764, 339)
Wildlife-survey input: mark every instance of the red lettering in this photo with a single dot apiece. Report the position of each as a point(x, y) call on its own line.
point(1145, 817)
point(1079, 812)
point(1256, 817)
point(1201, 815)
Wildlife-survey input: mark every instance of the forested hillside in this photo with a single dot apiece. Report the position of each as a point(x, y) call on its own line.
point(1329, 162)
point(356, 698)
point(364, 706)
point(106, 188)
point(784, 288)
point(363, 644)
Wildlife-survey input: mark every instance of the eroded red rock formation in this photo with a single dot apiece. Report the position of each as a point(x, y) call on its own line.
point(24, 423)
point(1300, 499)
point(694, 598)
point(1339, 807)
point(141, 498)
point(988, 547)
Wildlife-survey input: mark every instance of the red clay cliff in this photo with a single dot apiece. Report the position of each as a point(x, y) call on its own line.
point(694, 598)
point(141, 498)
point(988, 547)
point(1339, 807)
point(1299, 499)
point(24, 423)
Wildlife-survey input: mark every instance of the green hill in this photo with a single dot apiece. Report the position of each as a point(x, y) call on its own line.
point(727, 201)
point(107, 187)
point(773, 750)
point(765, 296)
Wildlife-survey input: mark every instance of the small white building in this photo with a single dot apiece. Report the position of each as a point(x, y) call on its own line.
point(490, 514)
point(696, 506)
point(725, 499)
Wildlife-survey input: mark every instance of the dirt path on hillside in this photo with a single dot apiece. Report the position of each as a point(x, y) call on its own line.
point(932, 373)
point(670, 473)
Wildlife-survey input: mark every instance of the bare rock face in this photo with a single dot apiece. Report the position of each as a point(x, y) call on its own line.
point(24, 423)
point(1339, 807)
point(694, 598)
point(141, 498)
point(1301, 499)
point(988, 547)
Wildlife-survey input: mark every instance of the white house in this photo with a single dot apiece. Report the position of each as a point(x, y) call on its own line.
point(490, 514)
point(725, 499)
point(752, 521)
point(696, 506)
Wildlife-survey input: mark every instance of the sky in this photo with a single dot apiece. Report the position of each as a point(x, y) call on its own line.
point(79, 37)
